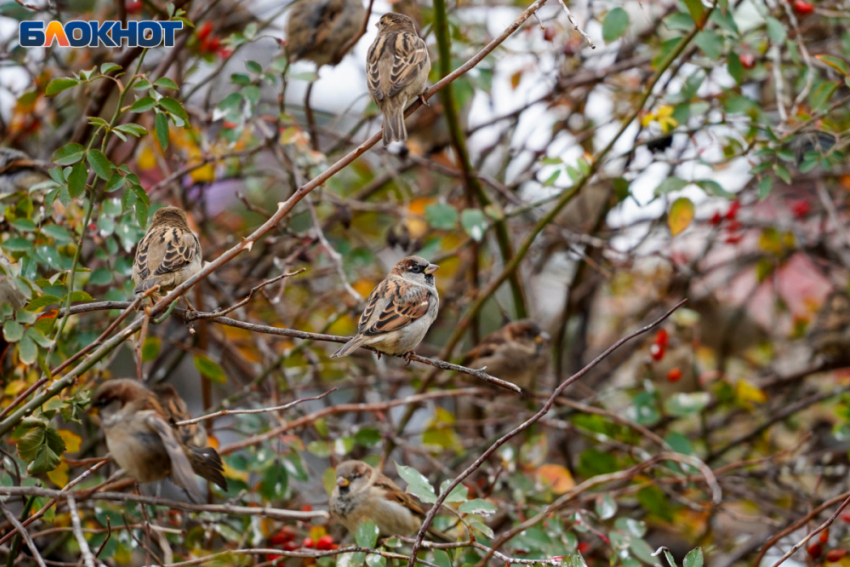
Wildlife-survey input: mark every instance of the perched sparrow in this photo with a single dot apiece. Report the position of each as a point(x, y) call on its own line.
point(18, 172)
point(398, 66)
point(399, 311)
point(318, 30)
point(176, 410)
point(169, 254)
point(9, 292)
point(363, 493)
point(517, 353)
point(143, 442)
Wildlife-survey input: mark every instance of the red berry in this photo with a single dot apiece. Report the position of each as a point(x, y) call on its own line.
point(306, 508)
point(308, 543)
point(824, 536)
point(748, 60)
point(204, 30)
point(733, 210)
point(834, 555)
point(583, 547)
point(661, 338)
point(803, 8)
point(282, 536)
point(290, 546)
point(656, 352)
point(846, 516)
point(133, 6)
point(674, 375)
point(716, 219)
point(549, 33)
point(800, 208)
point(815, 550)
point(325, 542)
point(272, 557)
point(734, 239)
point(224, 53)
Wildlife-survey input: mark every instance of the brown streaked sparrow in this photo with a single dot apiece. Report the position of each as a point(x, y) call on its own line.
point(399, 311)
point(19, 172)
point(397, 72)
point(363, 493)
point(169, 253)
point(318, 30)
point(518, 353)
point(192, 434)
point(143, 442)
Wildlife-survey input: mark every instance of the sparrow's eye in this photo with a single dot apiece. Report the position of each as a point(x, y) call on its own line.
point(416, 269)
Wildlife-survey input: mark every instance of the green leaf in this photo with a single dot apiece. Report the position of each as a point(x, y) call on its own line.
point(40, 303)
point(143, 104)
point(710, 42)
point(101, 276)
point(161, 129)
point(765, 185)
point(77, 179)
point(655, 502)
point(133, 129)
point(13, 331)
point(417, 484)
point(27, 350)
point(776, 31)
point(367, 534)
point(835, 62)
point(141, 213)
point(694, 558)
point(23, 225)
point(18, 245)
point(116, 182)
point(615, 24)
point(683, 404)
point(735, 68)
point(782, 173)
point(210, 369)
point(109, 67)
point(697, 12)
point(174, 107)
point(606, 506)
point(69, 154)
point(166, 83)
point(375, 560)
point(441, 216)
point(474, 223)
point(671, 184)
point(714, 188)
point(254, 67)
point(58, 233)
point(458, 493)
point(100, 164)
point(442, 559)
point(56, 86)
point(79, 296)
point(478, 506)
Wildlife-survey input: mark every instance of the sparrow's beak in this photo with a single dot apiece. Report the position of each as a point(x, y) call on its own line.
point(543, 337)
point(431, 268)
point(342, 482)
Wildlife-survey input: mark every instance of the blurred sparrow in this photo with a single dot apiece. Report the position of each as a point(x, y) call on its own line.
point(397, 72)
point(18, 172)
point(192, 435)
point(363, 493)
point(518, 353)
point(9, 292)
point(169, 254)
point(399, 311)
point(829, 334)
point(143, 442)
point(318, 30)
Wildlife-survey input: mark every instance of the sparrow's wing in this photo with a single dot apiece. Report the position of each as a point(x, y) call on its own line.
point(179, 250)
point(395, 494)
point(410, 57)
point(181, 468)
point(176, 410)
point(393, 305)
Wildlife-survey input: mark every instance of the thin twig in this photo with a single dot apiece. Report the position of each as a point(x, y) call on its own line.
point(24, 534)
point(88, 558)
point(251, 411)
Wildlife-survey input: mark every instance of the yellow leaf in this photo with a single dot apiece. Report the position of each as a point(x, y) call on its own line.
point(515, 79)
point(15, 387)
point(749, 393)
point(204, 174)
point(680, 216)
point(71, 439)
point(317, 532)
point(59, 475)
point(364, 287)
point(230, 472)
point(147, 159)
point(556, 477)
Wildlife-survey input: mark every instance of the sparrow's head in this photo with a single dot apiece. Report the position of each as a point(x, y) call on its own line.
point(416, 269)
point(111, 396)
point(169, 215)
point(529, 332)
point(352, 477)
point(395, 22)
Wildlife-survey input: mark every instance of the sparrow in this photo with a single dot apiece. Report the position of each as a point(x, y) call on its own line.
point(362, 493)
point(518, 353)
point(19, 172)
point(829, 335)
point(9, 292)
point(318, 30)
point(399, 311)
point(176, 410)
point(397, 72)
point(145, 445)
point(169, 253)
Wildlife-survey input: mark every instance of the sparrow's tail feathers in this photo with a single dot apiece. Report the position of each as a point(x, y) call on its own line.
point(146, 285)
point(349, 347)
point(207, 464)
point(394, 128)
